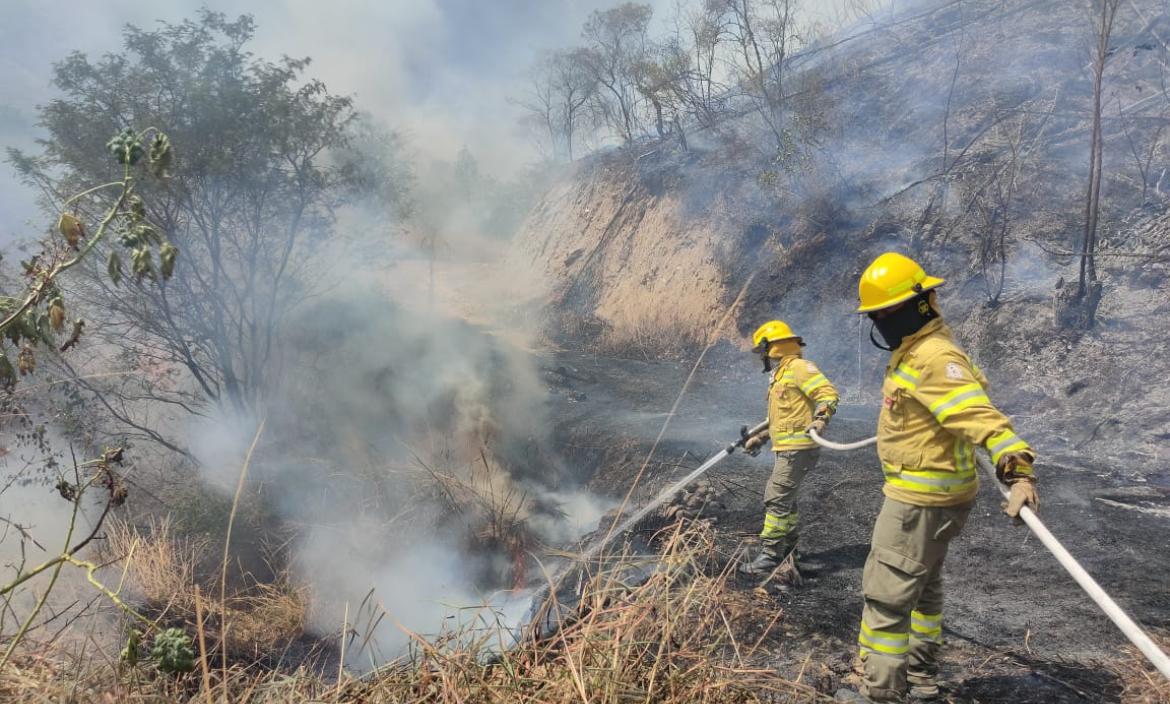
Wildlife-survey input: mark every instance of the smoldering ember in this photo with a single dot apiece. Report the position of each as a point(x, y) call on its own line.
point(585, 351)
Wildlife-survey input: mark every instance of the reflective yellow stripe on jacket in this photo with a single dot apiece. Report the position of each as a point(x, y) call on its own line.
point(931, 482)
point(1005, 442)
point(905, 376)
point(935, 414)
point(797, 388)
point(814, 383)
point(961, 398)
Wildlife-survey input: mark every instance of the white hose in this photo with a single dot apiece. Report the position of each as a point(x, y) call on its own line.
point(841, 446)
point(1132, 631)
point(1121, 619)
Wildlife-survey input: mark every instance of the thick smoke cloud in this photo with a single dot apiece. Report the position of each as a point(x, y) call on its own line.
point(378, 388)
point(385, 414)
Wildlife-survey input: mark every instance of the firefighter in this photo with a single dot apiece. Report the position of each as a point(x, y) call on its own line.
point(799, 398)
point(935, 414)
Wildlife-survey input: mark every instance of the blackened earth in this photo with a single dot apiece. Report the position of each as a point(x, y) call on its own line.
point(1018, 628)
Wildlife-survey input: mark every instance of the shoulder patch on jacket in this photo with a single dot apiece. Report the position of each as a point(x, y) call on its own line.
point(811, 368)
point(954, 371)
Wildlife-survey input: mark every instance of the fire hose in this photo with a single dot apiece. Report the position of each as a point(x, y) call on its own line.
point(1128, 627)
point(666, 494)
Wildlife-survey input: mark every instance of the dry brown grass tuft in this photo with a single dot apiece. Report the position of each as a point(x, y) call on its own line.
point(161, 569)
point(267, 616)
point(679, 633)
point(650, 331)
point(159, 564)
point(1141, 683)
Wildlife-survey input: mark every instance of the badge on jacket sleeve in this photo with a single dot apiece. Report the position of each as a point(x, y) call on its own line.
point(954, 371)
point(812, 368)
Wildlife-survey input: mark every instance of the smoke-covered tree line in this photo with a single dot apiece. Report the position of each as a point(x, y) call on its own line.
point(268, 156)
point(720, 58)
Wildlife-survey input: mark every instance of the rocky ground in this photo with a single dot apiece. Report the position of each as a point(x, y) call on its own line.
point(1018, 627)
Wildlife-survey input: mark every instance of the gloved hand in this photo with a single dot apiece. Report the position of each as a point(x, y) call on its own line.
point(818, 425)
point(1023, 493)
point(1014, 465)
point(754, 443)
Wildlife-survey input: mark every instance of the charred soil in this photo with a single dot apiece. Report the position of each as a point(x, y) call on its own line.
point(1017, 627)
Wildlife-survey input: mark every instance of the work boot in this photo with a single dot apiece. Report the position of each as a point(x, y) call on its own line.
point(764, 563)
point(804, 563)
point(924, 687)
point(851, 697)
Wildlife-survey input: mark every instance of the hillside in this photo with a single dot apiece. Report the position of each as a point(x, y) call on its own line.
point(642, 250)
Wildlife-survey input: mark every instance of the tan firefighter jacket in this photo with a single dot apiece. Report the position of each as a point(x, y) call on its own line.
point(796, 389)
point(935, 411)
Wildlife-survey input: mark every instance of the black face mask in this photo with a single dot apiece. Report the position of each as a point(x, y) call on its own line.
point(903, 322)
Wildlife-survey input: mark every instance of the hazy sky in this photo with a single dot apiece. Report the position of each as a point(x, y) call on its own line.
point(441, 70)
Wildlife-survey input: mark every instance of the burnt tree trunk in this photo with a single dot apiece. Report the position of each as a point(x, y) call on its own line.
point(1087, 294)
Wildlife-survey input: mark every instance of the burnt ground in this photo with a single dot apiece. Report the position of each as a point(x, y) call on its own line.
point(1018, 628)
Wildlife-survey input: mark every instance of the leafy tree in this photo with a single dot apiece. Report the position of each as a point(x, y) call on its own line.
point(661, 79)
point(265, 165)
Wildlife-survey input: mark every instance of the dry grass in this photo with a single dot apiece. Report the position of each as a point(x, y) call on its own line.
point(161, 570)
point(651, 331)
point(159, 564)
point(1141, 683)
point(682, 634)
point(267, 616)
point(664, 629)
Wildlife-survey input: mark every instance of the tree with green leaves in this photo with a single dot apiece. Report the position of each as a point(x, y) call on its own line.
point(266, 163)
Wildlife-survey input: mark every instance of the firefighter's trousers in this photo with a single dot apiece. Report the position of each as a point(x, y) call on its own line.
point(781, 518)
point(901, 624)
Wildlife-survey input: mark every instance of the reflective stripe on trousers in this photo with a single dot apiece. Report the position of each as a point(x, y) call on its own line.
point(889, 643)
point(778, 526)
point(926, 627)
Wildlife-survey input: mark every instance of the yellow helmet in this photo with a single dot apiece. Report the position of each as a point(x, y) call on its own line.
point(891, 279)
point(772, 331)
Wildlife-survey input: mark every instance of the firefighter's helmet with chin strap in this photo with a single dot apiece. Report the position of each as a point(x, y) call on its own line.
point(769, 332)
